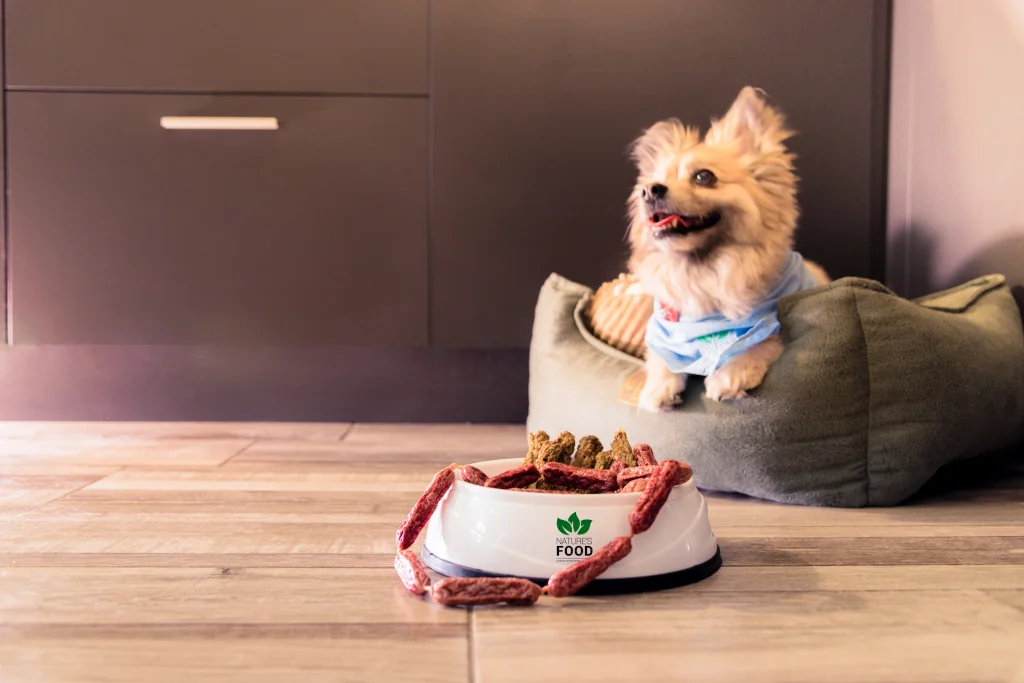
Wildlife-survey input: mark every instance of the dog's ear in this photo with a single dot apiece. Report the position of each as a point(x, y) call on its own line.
point(669, 136)
point(751, 124)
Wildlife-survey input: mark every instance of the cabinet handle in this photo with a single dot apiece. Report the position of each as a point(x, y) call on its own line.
point(218, 122)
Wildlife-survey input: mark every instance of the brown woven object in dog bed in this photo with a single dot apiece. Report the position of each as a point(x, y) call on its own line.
point(618, 314)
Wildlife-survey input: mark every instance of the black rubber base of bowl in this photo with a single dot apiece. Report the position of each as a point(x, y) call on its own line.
point(637, 584)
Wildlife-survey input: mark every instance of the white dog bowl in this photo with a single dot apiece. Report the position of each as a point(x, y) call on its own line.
point(478, 531)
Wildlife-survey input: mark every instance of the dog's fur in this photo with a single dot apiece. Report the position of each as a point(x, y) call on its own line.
point(730, 266)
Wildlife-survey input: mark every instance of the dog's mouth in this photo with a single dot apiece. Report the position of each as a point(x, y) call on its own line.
point(674, 224)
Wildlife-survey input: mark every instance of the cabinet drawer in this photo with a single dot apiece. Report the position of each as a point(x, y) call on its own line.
point(310, 46)
point(123, 232)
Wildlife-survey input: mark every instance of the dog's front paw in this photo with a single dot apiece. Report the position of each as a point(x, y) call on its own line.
point(744, 372)
point(727, 383)
point(735, 379)
point(662, 393)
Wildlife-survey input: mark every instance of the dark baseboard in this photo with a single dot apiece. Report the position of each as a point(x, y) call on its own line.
point(215, 383)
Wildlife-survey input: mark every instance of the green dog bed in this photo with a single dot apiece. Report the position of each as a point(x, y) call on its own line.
point(873, 394)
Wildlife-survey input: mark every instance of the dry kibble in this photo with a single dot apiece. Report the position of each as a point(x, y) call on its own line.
point(537, 441)
point(559, 450)
point(622, 450)
point(587, 451)
point(604, 461)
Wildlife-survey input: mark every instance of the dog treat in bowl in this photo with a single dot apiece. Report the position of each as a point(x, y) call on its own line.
point(621, 449)
point(589, 455)
point(516, 478)
point(635, 486)
point(579, 478)
point(655, 494)
point(604, 460)
point(587, 451)
point(537, 441)
point(559, 450)
point(644, 455)
point(473, 475)
point(630, 473)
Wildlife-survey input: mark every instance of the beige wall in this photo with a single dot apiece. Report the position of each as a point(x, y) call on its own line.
point(956, 174)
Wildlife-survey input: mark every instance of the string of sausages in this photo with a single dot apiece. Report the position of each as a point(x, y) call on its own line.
point(656, 481)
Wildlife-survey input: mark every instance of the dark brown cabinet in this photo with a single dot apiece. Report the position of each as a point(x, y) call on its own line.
point(303, 46)
point(127, 233)
point(378, 255)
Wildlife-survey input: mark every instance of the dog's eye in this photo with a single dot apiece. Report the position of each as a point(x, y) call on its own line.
point(704, 178)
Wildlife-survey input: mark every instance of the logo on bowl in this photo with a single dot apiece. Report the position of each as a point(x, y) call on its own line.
point(573, 543)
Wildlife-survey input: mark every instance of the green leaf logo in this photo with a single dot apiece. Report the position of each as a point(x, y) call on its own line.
point(574, 525)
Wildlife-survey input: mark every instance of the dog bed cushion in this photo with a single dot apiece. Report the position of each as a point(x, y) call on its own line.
point(872, 395)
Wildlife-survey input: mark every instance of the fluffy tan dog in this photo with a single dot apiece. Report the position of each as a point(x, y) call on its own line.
point(712, 224)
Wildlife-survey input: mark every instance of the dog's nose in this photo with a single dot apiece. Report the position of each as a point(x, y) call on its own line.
point(657, 191)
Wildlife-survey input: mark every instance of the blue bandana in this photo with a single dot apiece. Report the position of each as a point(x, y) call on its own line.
point(699, 346)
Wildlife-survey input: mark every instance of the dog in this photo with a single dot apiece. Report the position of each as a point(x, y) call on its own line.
point(711, 231)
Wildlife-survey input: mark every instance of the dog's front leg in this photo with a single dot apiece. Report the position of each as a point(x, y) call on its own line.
point(744, 372)
point(662, 388)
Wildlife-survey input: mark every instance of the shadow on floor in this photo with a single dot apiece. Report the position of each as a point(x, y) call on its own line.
point(995, 477)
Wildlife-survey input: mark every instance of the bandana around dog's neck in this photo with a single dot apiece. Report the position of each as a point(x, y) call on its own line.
point(699, 346)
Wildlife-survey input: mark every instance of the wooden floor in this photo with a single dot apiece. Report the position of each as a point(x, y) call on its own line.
point(194, 553)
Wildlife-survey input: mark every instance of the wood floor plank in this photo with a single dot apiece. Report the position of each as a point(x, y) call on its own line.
point(407, 479)
point(90, 534)
point(399, 443)
point(211, 595)
point(156, 453)
point(28, 475)
point(777, 551)
point(1013, 597)
point(748, 513)
point(751, 636)
point(858, 532)
point(26, 499)
point(224, 623)
point(860, 578)
point(107, 431)
point(381, 560)
point(287, 505)
point(29, 486)
point(234, 660)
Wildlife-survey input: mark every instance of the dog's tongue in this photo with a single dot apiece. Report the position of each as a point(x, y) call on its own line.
point(671, 220)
